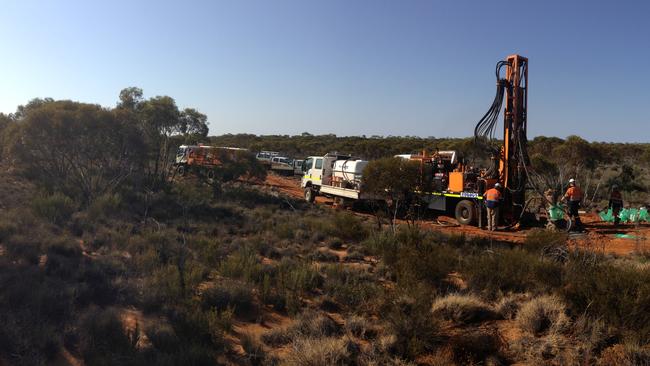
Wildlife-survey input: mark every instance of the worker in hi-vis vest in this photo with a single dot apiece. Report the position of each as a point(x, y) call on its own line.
point(492, 202)
point(573, 196)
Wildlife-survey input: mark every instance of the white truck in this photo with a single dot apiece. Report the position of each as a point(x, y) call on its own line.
point(282, 165)
point(297, 166)
point(332, 175)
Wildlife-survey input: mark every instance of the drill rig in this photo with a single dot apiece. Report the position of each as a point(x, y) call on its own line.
point(510, 159)
point(449, 185)
point(512, 155)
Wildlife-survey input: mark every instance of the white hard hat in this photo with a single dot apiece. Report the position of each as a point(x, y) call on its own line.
point(497, 185)
point(572, 180)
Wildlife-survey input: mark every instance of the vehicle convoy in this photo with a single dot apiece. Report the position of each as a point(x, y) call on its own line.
point(203, 159)
point(265, 157)
point(448, 185)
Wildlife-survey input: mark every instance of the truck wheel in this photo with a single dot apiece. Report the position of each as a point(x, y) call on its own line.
point(465, 212)
point(181, 170)
point(210, 174)
point(310, 195)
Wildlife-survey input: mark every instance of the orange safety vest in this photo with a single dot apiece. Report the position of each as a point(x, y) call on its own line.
point(574, 194)
point(492, 194)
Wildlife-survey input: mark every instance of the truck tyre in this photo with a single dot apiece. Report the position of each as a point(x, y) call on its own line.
point(211, 174)
point(465, 212)
point(181, 170)
point(310, 195)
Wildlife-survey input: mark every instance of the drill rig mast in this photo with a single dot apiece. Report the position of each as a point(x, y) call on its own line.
point(511, 158)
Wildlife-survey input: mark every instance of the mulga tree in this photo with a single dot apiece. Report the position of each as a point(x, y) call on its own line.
point(393, 180)
point(82, 150)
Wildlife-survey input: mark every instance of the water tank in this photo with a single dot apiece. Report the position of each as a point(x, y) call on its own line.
point(349, 170)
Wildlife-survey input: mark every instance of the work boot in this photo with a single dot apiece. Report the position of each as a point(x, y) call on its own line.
point(578, 226)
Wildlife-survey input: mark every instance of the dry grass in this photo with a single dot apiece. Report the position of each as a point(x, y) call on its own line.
point(325, 351)
point(310, 324)
point(461, 308)
point(359, 327)
point(625, 355)
point(552, 349)
point(541, 314)
point(253, 349)
point(509, 305)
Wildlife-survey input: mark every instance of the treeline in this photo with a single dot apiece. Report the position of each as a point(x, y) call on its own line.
point(375, 147)
point(597, 165)
point(85, 150)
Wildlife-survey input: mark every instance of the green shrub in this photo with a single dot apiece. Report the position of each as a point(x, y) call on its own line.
point(347, 226)
point(55, 208)
point(541, 240)
point(63, 260)
point(163, 337)
point(351, 287)
point(243, 264)
point(334, 243)
point(297, 276)
point(323, 256)
point(253, 349)
point(510, 270)
point(476, 347)
point(426, 262)
point(230, 295)
point(383, 244)
point(617, 294)
point(103, 338)
point(413, 328)
point(355, 254)
point(105, 205)
point(414, 256)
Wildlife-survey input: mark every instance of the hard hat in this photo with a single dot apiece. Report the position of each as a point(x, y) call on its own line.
point(572, 180)
point(497, 185)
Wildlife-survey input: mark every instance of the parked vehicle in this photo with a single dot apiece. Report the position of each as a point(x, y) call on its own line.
point(265, 156)
point(282, 165)
point(336, 176)
point(203, 159)
point(297, 166)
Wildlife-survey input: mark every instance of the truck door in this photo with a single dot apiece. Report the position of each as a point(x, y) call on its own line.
point(317, 171)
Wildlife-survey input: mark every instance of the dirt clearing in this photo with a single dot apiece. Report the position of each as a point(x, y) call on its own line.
point(622, 240)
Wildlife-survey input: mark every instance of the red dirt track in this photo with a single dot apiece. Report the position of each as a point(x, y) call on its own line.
point(600, 236)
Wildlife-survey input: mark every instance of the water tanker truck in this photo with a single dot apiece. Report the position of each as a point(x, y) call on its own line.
point(333, 175)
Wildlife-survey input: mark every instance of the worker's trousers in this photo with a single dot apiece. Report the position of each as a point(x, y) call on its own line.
point(493, 218)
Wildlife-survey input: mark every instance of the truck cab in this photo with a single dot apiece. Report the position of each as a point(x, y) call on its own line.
point(297, 166)
point(317, 170)
point(312, 170)
point(321, 177)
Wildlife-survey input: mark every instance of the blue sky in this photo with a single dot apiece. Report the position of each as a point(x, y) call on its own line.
point(366, 67)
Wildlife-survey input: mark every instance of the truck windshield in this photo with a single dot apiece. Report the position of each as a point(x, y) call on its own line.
point(181, 152)
point(307, 165)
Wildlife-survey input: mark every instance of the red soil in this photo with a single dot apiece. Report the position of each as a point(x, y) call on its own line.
point(600, 236)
